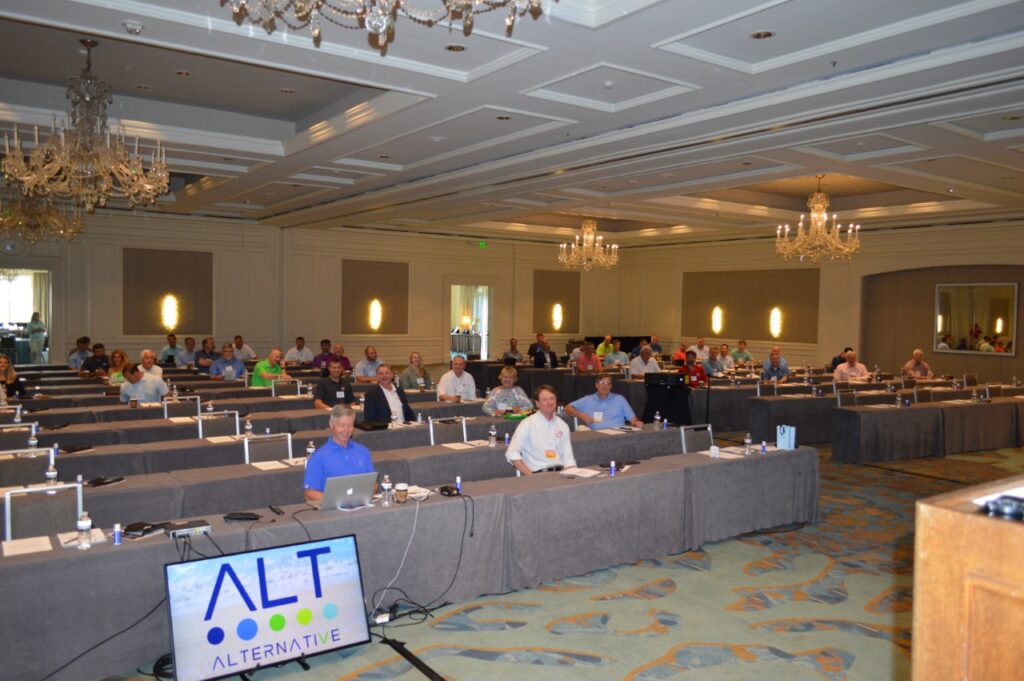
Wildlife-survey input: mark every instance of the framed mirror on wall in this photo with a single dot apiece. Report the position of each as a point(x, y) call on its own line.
point(976, 318)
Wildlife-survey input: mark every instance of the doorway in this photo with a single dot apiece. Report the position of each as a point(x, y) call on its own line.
point(469, 322)
point(22, 293)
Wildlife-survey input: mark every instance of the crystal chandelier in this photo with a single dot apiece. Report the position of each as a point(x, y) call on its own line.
point(590, 252)
point(377, 17)
point(81, 161)
point(32, 219)
point(821, 240)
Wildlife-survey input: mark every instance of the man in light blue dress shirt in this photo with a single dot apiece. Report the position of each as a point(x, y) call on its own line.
point(366, 369)
point(187, 355)
point(603, 409)
point(227, 367)
point(79, 354)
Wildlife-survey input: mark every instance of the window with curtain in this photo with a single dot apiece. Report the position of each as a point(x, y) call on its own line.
point(16, 297)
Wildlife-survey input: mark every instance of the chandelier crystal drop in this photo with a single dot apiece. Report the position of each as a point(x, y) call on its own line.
point(376, 17)
point(82, 161)
point(822, 238)
point(33, 218)
point(589, 252)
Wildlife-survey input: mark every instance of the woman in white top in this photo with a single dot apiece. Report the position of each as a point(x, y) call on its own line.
point(36, 338)
point(507, 398)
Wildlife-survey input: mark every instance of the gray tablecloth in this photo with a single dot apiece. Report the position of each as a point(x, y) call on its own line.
point(975, 427)
point(883, 433)
point(812, 417)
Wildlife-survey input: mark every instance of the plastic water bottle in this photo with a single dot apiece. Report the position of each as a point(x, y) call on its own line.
point(458, 483)
point(507, 439)
point(310, 448)
point(174, 389)
point(657, 420)
point(32, 441)
point(17, 414)
point(394, 421)
point(764, 446)
point(248, 429)
point(117, 534)
point(51, 477)
point(492, 437)
point(209, 407)
point(419, 417)
point(747, 444)
point(611, 469)
point(84, 532)
point(267, 433)
point(385, 491)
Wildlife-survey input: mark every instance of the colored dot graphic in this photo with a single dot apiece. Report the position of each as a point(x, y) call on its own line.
point(247, 629)
point(277, 622)
point(330, 611)
point(304, 616)
point(215, 636)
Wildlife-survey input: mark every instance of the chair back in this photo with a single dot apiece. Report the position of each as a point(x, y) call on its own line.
point(697, 438)
point(40, 513)
point(285, 387)
point(272, 447)
point(9, 413)
point(846, 398)
point(16, 435)
point(993, 390)
point(218, 423)
point(908, 382)
point(840, 385)
point(187, 405)
point(970, 380)
point(922, 395)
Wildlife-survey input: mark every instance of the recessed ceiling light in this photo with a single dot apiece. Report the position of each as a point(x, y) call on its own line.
point(287, 91)
point(1012, 117)
point(746, 163)
point(143, 86)
point(949, 190)
point(383, 156)
point(503, 117)
point(437, 139)
point(762, 35)
point(455, 47)
point(183, 73)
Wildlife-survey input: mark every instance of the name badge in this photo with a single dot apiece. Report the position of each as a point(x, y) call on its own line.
point(420, 381)
point(598, 416)
point(340, 394)
point(550, 453)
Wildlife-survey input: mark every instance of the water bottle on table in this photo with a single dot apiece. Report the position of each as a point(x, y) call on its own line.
point(84, 531)
point(385, 491)
point(492, 436)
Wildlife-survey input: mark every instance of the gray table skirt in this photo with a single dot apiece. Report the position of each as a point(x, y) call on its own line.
point(124, 583)
point(868, 434)
point(812, 417)
point(980, 426)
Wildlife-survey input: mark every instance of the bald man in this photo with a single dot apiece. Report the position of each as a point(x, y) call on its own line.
point(917, 367)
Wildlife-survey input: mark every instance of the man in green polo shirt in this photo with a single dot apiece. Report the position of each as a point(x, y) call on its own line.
point(605, 347)
point(268, 370)
point(740, 356)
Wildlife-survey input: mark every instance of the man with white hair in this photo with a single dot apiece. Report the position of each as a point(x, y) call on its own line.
point(917, 367)
point(340, 455)
point(851, 369)
point(148, 364)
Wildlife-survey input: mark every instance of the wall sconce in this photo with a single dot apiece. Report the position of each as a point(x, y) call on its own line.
point(467, 322)
point(376, 314)
point(775, 322)
point(999, 324)
point(556, 317)
point(716, 320)
point(169, 312)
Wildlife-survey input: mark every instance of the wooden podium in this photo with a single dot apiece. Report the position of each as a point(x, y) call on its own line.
point(968, 589)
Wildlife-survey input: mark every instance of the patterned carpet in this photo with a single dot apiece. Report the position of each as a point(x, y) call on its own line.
point(830, 601)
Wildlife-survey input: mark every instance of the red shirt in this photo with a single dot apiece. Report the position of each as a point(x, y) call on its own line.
point(696, 375)
point(592, 364)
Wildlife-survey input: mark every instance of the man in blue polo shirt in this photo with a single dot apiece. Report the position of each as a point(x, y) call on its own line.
point(603, 409)
point(340, 455)
point(227, 367)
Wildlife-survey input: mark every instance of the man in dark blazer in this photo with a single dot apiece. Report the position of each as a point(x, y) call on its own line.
point(378, 403)
point(544, 356)
point(536, 346)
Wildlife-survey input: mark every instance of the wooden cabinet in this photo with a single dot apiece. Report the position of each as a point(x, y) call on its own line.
point(968, 589)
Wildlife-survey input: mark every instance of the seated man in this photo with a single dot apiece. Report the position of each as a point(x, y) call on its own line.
point(513, 351)
point(725, 358)
point(366, 369)
point(644, 364)
point(227, 367)
point(324, 358)
point(840, 358)
point(334, 389)
point(140, 386)
point(243, 351)
point(339, 352)
point(299, 355)
point(740, 355)
point(635, 352)
point(96, 364)
point(588, 362)
point(169, 351)
point(457, 385)
point(616, 357)
point(149, 366)
point(775, 368)
point(544, 356)
point(269, 370)
point(186, 357)
point(679, 356)
point(541, 441)
point(386, 400)
point(703, 351)
point(712, 366)
point(576, 352)
point(693, 370)
point(603, 409)
point(851, 369)
point(205, 357)
point(655, 347)
point(917, 367)
point(80, 353)
point(340, 455)
point(605, 347)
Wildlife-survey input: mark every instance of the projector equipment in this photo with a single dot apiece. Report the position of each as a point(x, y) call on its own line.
point(242, 515)
point(187, 528)
point(448, 491)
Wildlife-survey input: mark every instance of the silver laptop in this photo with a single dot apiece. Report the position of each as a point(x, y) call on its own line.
point(348, 491)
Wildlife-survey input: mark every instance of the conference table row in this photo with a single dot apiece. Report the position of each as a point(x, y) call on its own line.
point(516, 533)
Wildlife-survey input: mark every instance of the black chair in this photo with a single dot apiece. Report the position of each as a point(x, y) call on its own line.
point(970, 380)
point(697, 438)
point(846, 398)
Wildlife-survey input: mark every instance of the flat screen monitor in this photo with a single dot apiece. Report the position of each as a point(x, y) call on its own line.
point(237, 613)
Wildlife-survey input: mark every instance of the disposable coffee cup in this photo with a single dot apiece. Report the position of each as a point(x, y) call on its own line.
point(402, 492)
point(133, 403)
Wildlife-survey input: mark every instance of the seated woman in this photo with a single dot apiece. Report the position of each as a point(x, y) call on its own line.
point(118, 360)
point(414, 376)
point(507, 397)
point(13, 387)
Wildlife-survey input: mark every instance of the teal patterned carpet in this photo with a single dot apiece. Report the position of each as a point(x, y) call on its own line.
point(830, 602)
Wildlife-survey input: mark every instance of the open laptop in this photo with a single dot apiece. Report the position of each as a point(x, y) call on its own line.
point(348, 491)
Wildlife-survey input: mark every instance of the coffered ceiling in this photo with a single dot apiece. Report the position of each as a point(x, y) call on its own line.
point(666, 121)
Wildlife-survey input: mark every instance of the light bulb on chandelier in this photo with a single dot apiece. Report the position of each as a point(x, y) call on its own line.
point(822, 238)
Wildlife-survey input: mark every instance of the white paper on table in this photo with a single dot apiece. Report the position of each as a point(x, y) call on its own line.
point(610, 431)
point(880, 406)
point(182, 419)
point(69, 540)
point(21, 547)
point(457, 445)
point(477, 443)
point(4, 457)
point(299, 461)
point(257, 387)
point(1014, 492)
point(1018, 397)
point(722, 454)
point(221, 439)
point(19, 488)
point(291, 397)
point(417, 493)
point(150, 405)
point(268, 465)
point(574, 472)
